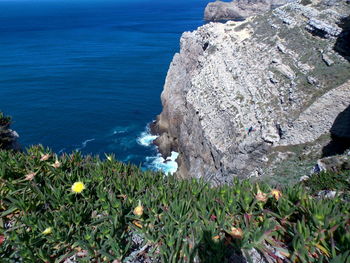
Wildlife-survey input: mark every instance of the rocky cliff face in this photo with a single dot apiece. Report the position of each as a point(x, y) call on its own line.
point(242, 98)
point(240, 9)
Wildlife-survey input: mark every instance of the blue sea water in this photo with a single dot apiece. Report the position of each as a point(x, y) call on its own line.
point(87, 74)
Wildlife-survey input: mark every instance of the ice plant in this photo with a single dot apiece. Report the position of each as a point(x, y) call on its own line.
point(138, 210)
point(45, 157)
point(260, 196)
point(236, 232)
point(276, 194)
point(57, 164)
point(78, 187)
point(30, 176)
point(47, 231)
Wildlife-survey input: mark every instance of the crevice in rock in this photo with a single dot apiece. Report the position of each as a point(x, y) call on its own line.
point(205, 46)
point(342, 46)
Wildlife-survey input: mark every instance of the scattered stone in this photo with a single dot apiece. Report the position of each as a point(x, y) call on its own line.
point(270, 134)
point(322, 28)
point(333, 163)
point(304, 178)
point(276, 61)
point(326, 194)
point(311, 80)
point(285, 17)
point(282, 48)
point(329, 62)
point(272, 78)
point(286, 71)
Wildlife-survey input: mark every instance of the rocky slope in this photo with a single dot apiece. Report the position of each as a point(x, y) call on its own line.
point(243, 98)
point(240, 9)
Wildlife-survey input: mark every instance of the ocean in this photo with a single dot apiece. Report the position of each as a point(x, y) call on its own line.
point(87, 74)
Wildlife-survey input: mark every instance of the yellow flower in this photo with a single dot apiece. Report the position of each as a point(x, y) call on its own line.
point(78, 187)
point(260, 218)
point(109, 157)
point(236, 232)
point(47, 231)
point(276, 194)
point(138, 210)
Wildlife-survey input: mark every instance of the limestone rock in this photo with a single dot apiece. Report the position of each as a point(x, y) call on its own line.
point(322, 28)
point(237, 92)
point(239, 9)
point(333, 163)
point(327, 60)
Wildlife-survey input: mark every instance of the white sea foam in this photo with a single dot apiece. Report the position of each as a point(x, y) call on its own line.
point(146, 138)
point(168, 165)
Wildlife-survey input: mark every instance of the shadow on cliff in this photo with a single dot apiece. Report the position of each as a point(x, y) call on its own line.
point(219, 251)
point(340, 133)
point(342, 45)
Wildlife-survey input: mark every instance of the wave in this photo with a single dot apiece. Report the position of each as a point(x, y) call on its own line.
point(146, 138)
point(157, 163)
point(168, 165)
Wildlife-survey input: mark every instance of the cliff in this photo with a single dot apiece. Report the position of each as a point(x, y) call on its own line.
point(240, 9)
point(245, 98)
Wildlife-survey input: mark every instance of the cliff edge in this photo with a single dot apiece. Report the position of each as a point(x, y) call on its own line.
point(243, 98)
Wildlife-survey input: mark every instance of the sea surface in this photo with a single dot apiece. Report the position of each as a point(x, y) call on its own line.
point(87, 74)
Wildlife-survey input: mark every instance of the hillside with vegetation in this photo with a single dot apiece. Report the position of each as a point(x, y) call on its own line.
point(74, 208)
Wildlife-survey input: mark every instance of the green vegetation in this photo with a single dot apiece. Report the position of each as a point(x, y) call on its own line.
point(329, 181)
point(84, 209)
point(43, 220)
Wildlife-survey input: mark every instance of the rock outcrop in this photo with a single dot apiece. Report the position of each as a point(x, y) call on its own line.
point(239, 9)
point(335, 163)
point(241, 93)
point(8, 137)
